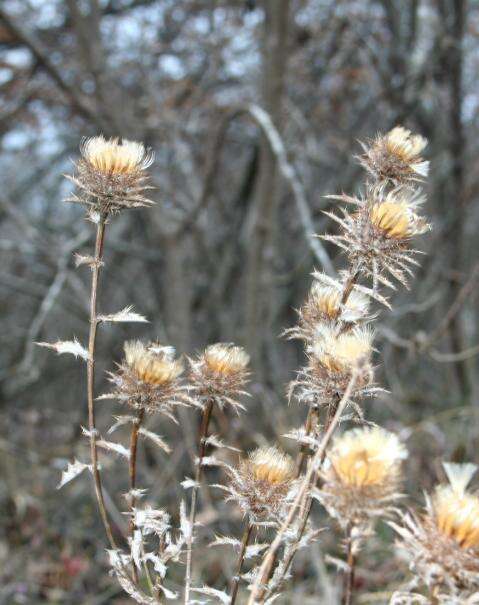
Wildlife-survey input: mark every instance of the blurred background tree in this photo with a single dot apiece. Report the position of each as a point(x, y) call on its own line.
point(254, 109)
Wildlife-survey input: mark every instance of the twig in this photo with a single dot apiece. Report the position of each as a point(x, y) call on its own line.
point(100, 236)
point(135, 430)
point(350, 574)
point(312, 469)
point(244, 545)
point(205, 421)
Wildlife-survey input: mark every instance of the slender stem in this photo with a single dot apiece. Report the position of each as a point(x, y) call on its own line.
point(135, 431)
point(311, 420)
point(100, 236)
point(349, 283)
point(350, 574)
point(205, 421)
point(244, 544)
point(313, 466)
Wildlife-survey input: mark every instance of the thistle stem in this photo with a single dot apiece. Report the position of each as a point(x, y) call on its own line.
point(244, 544)
point(205, 421)
point(100, 237)
point(135, 431)
point(350, 574)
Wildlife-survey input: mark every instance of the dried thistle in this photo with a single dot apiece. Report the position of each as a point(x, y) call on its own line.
point(362, 475)
point(261, 483)
point(149, 378)
point(442, 544)
point(111, 175)
point(377, 235)
point(332, 359)
point(324, 306)
point(395, 157)
point(219, 374)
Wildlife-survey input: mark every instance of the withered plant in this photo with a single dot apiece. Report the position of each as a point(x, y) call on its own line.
point(356, 476)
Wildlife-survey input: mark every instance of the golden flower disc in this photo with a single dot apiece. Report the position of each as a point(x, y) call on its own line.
point(271, 465)
point(110, 157)
point(367, 457)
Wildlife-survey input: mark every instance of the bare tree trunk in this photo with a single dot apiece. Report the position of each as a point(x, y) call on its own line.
point(457, 158)
point(259, 286)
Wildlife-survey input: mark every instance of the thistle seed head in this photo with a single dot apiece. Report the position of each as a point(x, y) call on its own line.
point(456, 511)
point(362, 475)
point(366, 457)
point(111, 175)
point(396, 157)
point(377, 235)
point(340, 354)
point(151, 368)
point(333, 358)
point(323, 306)
point(149, 378)
point(271, 465)
point(442, 544)
point(262, 482)
point(220, 373)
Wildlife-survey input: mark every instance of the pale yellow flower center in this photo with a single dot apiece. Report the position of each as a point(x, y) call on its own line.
point(457, 515)
point(271, 465)
point(394, 219)
point(114, 158)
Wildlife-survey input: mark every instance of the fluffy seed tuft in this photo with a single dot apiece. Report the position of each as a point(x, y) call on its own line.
point(261, 483)
point(149, 378)
point(396, 156)
point(220, 373)
point(111, 175)
point(362, 475)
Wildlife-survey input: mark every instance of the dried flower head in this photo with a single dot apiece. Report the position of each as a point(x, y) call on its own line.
point(149, 378)
point(332, 359)
point(362, 474)
point(220, 373)
point(324, 306)
point(377, 236)
point(261, 483)
point(340, 354)
point(396, 156)
point(111, 175)
point(443, 543)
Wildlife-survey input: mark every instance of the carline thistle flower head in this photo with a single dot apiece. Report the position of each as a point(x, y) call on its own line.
point(220, 374)
point(333, 358)
point(442, 544)
point(395, 157)
point(377, 235)
point(111, 175)
point(149, 378)
point(261, 483)
point(362, 475)
point(324, 306)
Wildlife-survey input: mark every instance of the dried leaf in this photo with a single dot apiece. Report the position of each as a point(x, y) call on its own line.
point(66, 346)
point(188, 483)
point(74, 469)
point(125, 314)
point(169, 594)
point(222, 596)
point(157, 440)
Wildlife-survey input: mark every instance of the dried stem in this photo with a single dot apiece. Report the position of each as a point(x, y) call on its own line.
point(311, 420)
point(205, 421)
point(313, 468)
point(350, 574)
point(135, 431)
point(244, 544)
point(100, 236)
